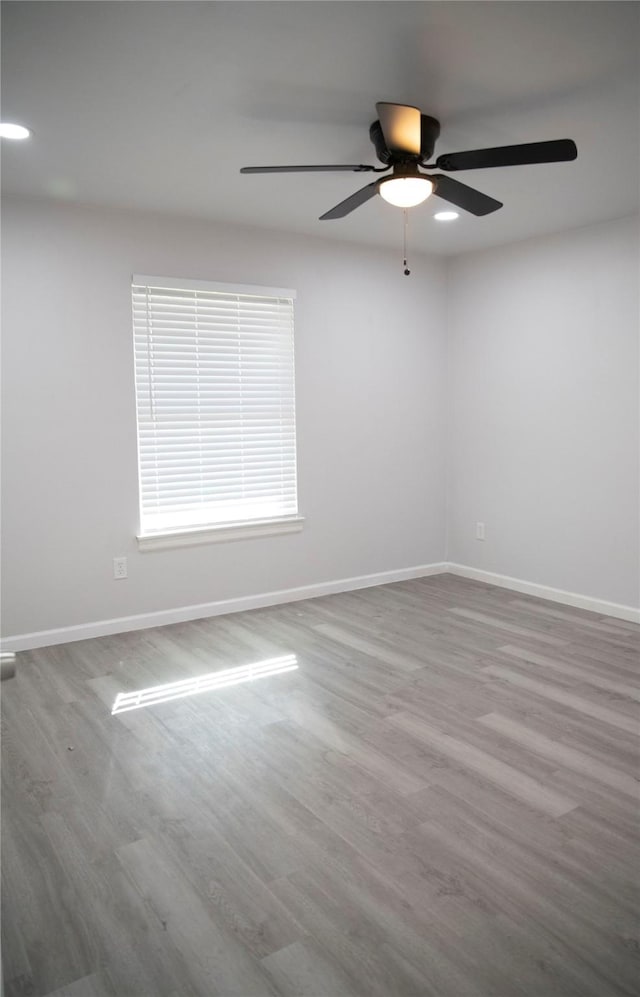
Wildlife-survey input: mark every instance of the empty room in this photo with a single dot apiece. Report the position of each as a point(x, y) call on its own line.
point(320, 603)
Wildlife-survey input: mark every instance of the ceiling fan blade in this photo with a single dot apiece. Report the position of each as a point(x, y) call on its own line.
point(361, 168)
point(465, 197)
point(351, 203)
point(560, 151)
point(400, 127)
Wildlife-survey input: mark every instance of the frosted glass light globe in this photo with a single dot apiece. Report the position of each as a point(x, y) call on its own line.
point(406, 192)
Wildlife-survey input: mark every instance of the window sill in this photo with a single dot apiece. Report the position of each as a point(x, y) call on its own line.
point(218, 534)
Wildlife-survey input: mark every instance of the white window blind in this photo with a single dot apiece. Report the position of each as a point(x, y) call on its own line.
point(214, 369)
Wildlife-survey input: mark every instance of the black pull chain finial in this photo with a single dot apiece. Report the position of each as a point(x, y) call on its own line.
point(406, 229)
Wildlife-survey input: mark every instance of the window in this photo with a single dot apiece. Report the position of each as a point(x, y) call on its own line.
point(214, 374)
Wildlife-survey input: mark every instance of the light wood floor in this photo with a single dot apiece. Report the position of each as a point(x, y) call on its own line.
point(441, 800)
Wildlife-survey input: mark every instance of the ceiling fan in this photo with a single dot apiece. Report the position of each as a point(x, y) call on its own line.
point(404, 140)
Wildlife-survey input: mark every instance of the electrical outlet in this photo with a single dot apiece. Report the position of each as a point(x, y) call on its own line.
point(119, 567)
point(479, 531)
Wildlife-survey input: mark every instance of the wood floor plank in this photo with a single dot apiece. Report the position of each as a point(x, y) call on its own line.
point(502, 624)
point(95, 985)
point(550, 691)
point(440, 801)
point(561, 754)
point(216, 963)
point(509, 779)
point(303, 970)
point(374, 649)
point(574, 671)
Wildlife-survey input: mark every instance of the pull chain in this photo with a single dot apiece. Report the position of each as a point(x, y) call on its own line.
point(406, 232)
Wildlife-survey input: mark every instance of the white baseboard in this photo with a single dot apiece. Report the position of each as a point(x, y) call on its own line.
point(143, 621)
point(600, 606)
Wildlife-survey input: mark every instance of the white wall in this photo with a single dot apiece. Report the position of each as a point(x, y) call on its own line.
point(370, 359)
point(543, 425)
point(538, 423)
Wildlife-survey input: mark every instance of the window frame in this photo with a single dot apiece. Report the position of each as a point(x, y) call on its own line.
point(187, 536)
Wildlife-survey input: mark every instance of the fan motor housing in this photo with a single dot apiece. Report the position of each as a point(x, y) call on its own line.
point(429, 132)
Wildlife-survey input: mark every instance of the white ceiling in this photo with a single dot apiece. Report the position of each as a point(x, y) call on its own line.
point(157, 105)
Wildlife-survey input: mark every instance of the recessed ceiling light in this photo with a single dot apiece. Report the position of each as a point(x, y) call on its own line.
point(446, 216)
point(9, 130)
